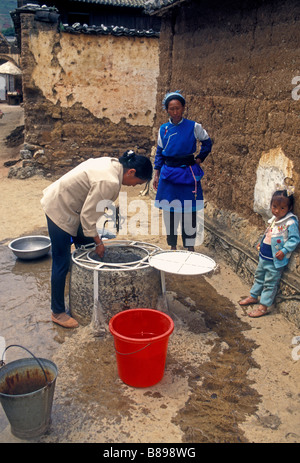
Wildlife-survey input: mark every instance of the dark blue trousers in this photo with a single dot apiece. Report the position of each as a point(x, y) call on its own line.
point(188, 232)
point(61, 258)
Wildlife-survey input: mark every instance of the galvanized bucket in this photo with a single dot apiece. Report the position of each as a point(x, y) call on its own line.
point(26, 394)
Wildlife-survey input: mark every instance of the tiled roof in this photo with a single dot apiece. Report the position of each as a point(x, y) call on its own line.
point(148, 4)
point(108, 30)
point(156, 5)
point(50, 14)
point(121, 3)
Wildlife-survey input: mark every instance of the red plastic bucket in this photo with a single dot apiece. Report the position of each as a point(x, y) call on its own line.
point(141, 341)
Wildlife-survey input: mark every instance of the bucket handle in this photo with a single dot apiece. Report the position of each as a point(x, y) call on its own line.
point(2, 363)
point(131, 353)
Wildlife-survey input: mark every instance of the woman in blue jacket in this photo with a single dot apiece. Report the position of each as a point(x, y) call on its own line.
point(178, 173)
point(280, 239)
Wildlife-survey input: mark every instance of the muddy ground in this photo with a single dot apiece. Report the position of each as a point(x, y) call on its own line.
point(228, 378)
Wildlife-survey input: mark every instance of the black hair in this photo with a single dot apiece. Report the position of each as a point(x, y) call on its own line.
point(174, 97)
point(284, 194)
point(141, 164)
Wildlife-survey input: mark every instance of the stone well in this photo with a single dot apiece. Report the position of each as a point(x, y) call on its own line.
point(122, 279)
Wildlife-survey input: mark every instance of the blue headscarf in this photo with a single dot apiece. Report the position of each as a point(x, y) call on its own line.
point(173, 96)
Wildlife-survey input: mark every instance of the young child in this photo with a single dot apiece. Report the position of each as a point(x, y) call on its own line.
point(279, 241)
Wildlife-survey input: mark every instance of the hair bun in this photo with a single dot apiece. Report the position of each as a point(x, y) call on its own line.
point(129, 154)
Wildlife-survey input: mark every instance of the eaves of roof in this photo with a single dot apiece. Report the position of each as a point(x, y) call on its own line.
point(51, 15)
point(116, 3)
point(160, 6)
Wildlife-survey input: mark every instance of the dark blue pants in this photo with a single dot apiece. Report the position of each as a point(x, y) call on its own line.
point(188, 233)
point(61, 259)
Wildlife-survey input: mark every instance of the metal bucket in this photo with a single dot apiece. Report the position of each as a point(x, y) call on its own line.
point(26, 394)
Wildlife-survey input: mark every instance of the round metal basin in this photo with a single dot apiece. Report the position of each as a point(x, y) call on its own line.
point(30, 247)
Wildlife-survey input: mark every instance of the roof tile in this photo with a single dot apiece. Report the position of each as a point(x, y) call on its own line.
point(121, 3)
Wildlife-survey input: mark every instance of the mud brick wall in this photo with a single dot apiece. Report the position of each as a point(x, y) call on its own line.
point(235, 62)
point(85, 95)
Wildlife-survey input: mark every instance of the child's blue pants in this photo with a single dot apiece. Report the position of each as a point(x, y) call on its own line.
point(266, 281)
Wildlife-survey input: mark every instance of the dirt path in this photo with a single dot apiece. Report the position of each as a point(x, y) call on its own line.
point(17, 192)
point(13, 117)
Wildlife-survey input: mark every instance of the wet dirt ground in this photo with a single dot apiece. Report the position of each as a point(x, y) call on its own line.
point(209, 393)
point(203, 397)
point(228, 378)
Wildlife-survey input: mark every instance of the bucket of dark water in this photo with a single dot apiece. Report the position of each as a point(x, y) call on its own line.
point(26, 394)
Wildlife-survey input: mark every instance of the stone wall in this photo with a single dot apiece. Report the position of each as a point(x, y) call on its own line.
point(236, 62)
point(85, 95)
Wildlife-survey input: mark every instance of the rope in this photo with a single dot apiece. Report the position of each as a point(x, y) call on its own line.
point(195, 191)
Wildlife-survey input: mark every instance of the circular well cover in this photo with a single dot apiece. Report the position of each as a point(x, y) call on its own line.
point(182, 262)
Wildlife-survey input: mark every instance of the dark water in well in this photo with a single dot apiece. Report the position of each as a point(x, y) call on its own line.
point(120, 255)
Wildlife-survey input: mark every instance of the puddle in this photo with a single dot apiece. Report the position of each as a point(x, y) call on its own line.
point(25, 305)
point(205, 393)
